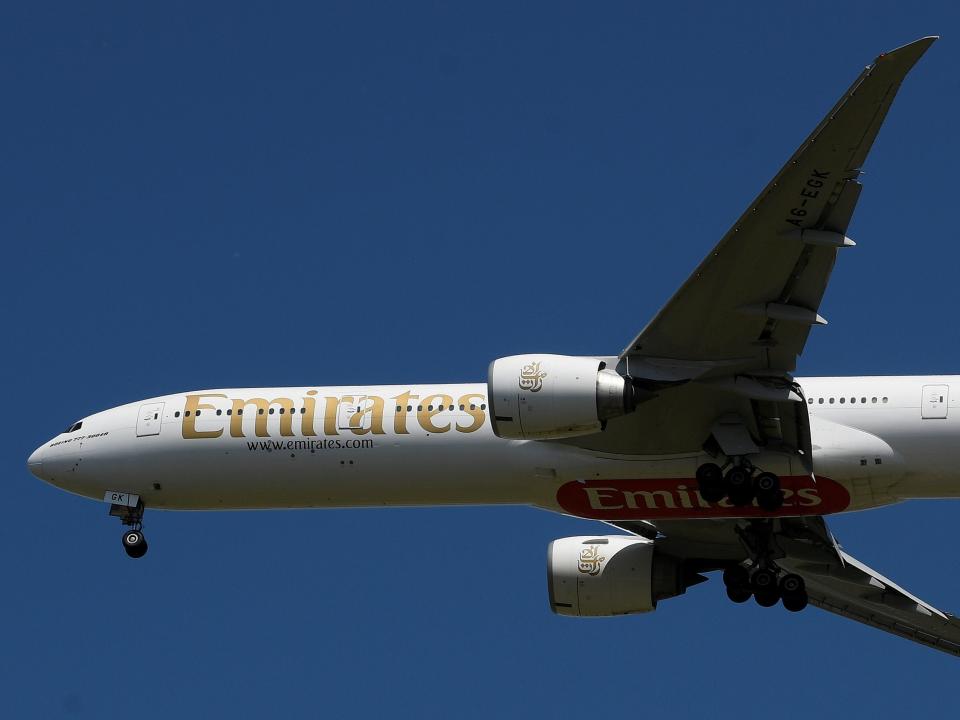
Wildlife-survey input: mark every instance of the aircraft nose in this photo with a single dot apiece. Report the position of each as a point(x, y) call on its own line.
point(35, 462)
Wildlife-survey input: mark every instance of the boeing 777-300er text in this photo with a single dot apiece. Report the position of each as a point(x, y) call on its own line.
point(696, 440)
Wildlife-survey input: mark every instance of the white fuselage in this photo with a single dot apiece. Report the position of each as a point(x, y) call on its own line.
point(876, 440)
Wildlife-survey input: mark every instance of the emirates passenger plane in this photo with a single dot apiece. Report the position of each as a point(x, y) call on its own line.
point(696, 441)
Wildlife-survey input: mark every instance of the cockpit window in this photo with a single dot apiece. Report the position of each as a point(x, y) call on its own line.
point(73, 428)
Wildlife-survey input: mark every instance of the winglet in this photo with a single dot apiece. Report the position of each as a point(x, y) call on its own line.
point(909, 53)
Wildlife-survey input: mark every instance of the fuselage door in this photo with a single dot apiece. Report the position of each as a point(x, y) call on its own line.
point(149, 419)
point(933, 405)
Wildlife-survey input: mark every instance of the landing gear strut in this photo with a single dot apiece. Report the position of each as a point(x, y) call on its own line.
point(740, 486)
point(134, 542)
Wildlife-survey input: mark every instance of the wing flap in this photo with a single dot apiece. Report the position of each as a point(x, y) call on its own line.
point(941, 635)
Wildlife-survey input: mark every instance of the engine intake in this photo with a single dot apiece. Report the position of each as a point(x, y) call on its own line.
point(611, 575)
point(545, 397)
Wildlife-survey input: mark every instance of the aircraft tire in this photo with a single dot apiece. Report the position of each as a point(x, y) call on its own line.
point(134, 543)
point(769, 494)
point(739, 486)
point(767, 599)
point(711, 483)
point(795, 602)
point(764, 581)
point(736, 576)
point(791, 584)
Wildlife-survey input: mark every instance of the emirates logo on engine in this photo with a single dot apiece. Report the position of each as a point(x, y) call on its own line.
point(590, 559)
point(531, 377)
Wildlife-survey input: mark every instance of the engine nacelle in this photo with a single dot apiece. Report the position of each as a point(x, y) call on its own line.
point(544, 397)
point(594, 576)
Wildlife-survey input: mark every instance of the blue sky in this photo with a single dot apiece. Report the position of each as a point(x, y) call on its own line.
point(242, 195)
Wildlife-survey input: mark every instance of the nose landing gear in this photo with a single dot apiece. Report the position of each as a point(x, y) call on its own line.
point(134, 542)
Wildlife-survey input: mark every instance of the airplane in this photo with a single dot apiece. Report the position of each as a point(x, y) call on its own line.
point(696, 442)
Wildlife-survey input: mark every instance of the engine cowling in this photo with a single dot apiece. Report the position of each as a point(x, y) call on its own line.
point(592, 576)
point(544, 397)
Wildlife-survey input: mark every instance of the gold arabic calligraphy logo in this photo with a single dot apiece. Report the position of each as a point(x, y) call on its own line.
point(531, 377)
point(590, 559)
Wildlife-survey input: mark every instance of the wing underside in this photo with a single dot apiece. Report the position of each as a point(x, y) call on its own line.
point(835, 581)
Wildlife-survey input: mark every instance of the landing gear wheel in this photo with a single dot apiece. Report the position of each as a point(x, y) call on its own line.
point(736, 576)
point(711, 483)
point(795, 603)
point(794, 592)
point(764, 585)
point(739, 486)
point(135, 543)
point(737, 580)
point(764, 582)
point(792, 584)
point(769, 494)
point(767, 599)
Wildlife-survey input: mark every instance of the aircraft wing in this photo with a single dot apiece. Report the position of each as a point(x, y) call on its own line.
point(756, 295)
point(725, 344)
point(836, 581)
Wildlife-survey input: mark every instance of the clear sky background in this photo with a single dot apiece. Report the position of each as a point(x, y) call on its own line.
point(261, 194)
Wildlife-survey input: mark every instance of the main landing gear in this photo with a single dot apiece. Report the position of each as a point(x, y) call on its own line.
point(766, 585)
point(134, 542)
point(761, 578)
point(740, 484)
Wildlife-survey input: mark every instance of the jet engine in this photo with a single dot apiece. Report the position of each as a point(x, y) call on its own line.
point(611, 575)
point(546, 397)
